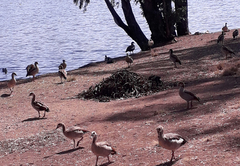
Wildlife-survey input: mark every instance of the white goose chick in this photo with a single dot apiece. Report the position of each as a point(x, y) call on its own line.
point(73, 132)
point(12, 82)
point(101, 148)
point(38, 106)
point(170, 141)
point(186, 95)
point(32, 70)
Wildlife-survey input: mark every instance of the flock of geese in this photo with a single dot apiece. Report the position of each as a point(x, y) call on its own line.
point(170, 141)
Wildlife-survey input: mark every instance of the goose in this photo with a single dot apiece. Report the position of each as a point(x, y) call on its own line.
point(226, 51)
point(32, 70)
point(129, 60)
point(225, 28)
point(150, 43)
point(63, 64)
point(38, 106)
point(220, 38)
point(170, 141)
point(4, 70)
point(62, 73)
point(235, 34)
point(12, 82)
point(73, 132)
point(101, 148)
point(186, 95)
point(174, 58)
point(130, 48)
point(108, 59)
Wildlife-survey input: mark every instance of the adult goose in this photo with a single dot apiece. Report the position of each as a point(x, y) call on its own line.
point(129, 60)
point(38, 106)
point(174, 58)
point(101, 148)
point(73, 133)
point(225, 28)
point(186, 95)
point(62, 73)
point(226, 51)
point(63, 64)
point(12, 82)
point(220, 38)
point(170, 141)
point(235, 34)
point(32, 70)
point(130, 48)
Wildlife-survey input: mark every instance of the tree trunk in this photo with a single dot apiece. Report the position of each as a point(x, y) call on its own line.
point(182, 15)
point(158, 21)
point(132, 29)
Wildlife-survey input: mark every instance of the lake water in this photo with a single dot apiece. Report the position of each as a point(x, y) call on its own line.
point(50, 31)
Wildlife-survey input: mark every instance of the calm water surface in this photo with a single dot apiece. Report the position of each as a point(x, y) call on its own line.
point(49, 31)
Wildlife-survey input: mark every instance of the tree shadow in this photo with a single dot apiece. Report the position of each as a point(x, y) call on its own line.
point(5, 95)
point(169, 163)
point(33, 119)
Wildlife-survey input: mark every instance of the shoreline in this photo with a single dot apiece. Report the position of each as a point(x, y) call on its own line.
point(130, 124)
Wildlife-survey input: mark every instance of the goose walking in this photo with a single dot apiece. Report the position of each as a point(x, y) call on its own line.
point(235, 34)
point(63, 64)
point(12, 82)
point(174, 58)
point(170, 141)
point(186, 95)
point(130, 48)
point(129, 60)
point(226, 51)
point(38, 106)
point(220, 38)
point(73, 133)
point(101, 148)
point(62, 73)
point(32, 70)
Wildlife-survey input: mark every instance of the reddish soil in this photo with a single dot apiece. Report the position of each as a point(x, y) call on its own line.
point(211, 127)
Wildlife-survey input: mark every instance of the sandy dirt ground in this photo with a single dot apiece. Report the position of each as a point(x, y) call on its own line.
point(212, 127)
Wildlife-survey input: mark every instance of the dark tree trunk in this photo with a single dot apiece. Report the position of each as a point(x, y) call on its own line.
point(132, 29)
point(161, 28)
point(182, 15)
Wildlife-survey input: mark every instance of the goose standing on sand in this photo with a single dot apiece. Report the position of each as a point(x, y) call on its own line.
point(73, 132)
point(226, 51)
point(186, 95)
point(63, 64)
point(220, 38)
point(108, 59)
point(12, 82)
point(32, 70)
point(235, 34)
point(38, 106)
point(225, 28)
point(130, 48)
point(101, 148)
point(174, 58)
point(129, 60)
point(62, 73)
point(170, 141)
